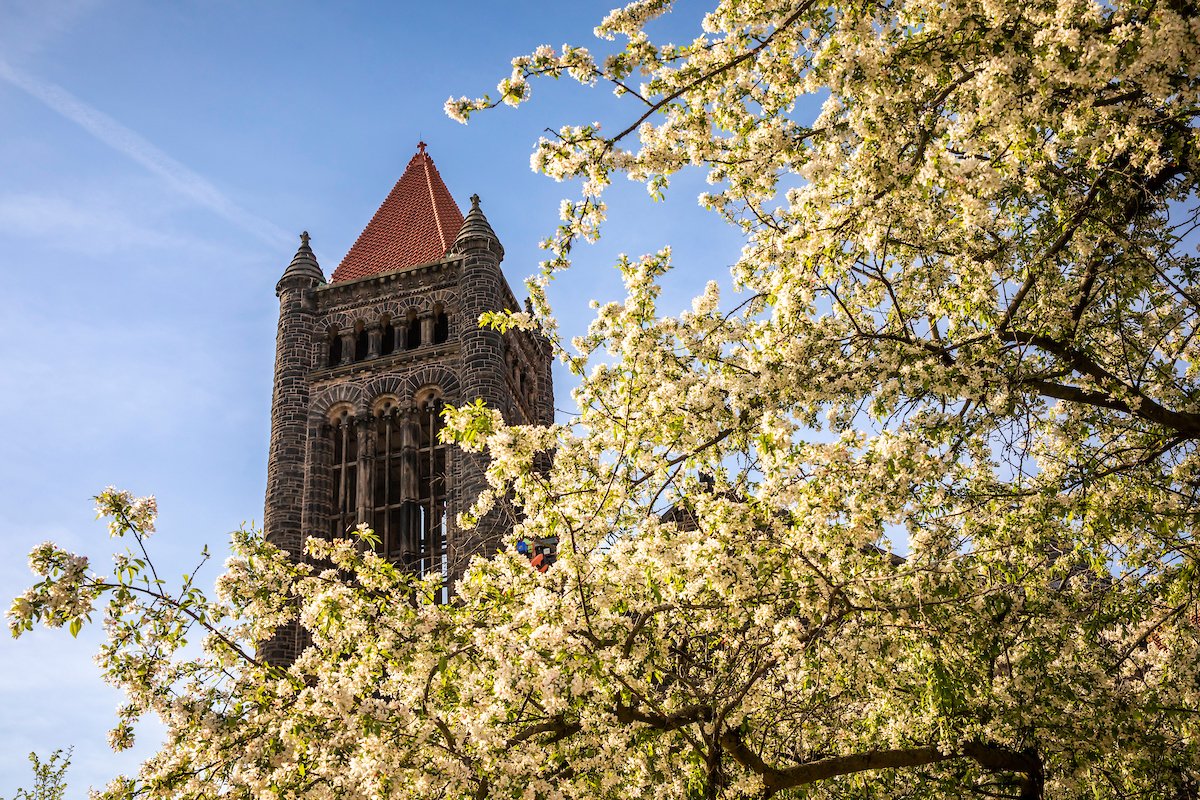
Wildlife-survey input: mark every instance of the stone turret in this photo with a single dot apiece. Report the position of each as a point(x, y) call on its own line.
point(289, 413)
point(289, 401)
point(483, 289)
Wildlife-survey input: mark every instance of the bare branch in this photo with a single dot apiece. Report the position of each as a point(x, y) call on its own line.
point(991, 758)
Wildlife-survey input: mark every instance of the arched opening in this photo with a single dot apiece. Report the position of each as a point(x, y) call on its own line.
point(343, 473)
point(413, 340)
point(395, 494)
point(409, 486)
point(335, 346)
point(441, 324)
point(431, 493)
point(360, 340)
point(388, 343)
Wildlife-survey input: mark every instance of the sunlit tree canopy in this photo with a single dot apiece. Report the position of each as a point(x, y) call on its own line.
point(911, 515)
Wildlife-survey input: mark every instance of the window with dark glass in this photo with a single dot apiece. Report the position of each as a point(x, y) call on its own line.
point(431, 491)
point(395, 493)
point(344, 473)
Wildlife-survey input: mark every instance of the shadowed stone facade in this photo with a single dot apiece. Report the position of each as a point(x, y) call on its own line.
point(363, 368)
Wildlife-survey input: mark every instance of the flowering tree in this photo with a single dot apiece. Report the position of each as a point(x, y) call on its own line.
point(969, 321)
point(48, 777)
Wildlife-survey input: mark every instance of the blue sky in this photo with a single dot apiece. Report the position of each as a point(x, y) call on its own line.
point(157, 162)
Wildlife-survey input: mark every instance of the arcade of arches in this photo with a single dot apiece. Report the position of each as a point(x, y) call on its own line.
point(389, 470)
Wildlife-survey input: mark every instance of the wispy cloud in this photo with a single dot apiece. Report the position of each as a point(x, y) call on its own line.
point(84, 224)
point(26, 26)
point(126, 141)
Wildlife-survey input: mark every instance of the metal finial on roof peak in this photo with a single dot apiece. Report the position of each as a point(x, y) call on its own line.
point(421, 147)
point(475, 201)
point(304, 238)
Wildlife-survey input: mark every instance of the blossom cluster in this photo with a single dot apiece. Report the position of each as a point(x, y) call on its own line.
point(925, 497)
point(63, 597)
point(126, 513)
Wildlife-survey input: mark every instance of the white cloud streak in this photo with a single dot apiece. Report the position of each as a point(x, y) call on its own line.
point(126, 141)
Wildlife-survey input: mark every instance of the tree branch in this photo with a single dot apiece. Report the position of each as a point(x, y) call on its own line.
point(664, 722)
point(714, 73)
point(1059, 244)
point(994, 759)
point(558, 726)
point(1186, 424)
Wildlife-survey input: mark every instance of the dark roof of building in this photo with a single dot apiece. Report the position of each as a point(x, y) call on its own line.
point(476, 226)
point(304, 263)
point(416, 224)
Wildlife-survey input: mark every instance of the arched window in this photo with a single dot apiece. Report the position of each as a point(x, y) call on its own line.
point(344, 474)
point(441, 324)
point(335, 346)
point(395, 492)
point(388, 344)
point(360, 341)
point(413, 340)
point(409, 497)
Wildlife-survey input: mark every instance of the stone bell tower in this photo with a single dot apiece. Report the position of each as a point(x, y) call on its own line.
point(364, 365)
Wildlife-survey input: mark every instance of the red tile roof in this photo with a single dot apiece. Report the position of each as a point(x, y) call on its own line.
point(416, 224)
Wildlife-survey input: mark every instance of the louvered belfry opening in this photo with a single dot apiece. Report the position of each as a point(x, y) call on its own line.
point(409, 505)
point(413, 340)
point(387, 343)
point(441, 324)
point(335, 347)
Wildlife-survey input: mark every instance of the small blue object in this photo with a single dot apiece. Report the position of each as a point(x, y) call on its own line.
point(522, 547)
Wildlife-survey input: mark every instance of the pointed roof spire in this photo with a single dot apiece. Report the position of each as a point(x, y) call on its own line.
point(304, 264)
point(415, 225)
point(476, 226)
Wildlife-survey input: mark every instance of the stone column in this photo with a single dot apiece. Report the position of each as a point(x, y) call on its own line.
point(366, 467)
point(427, 329)
point(374, 340)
